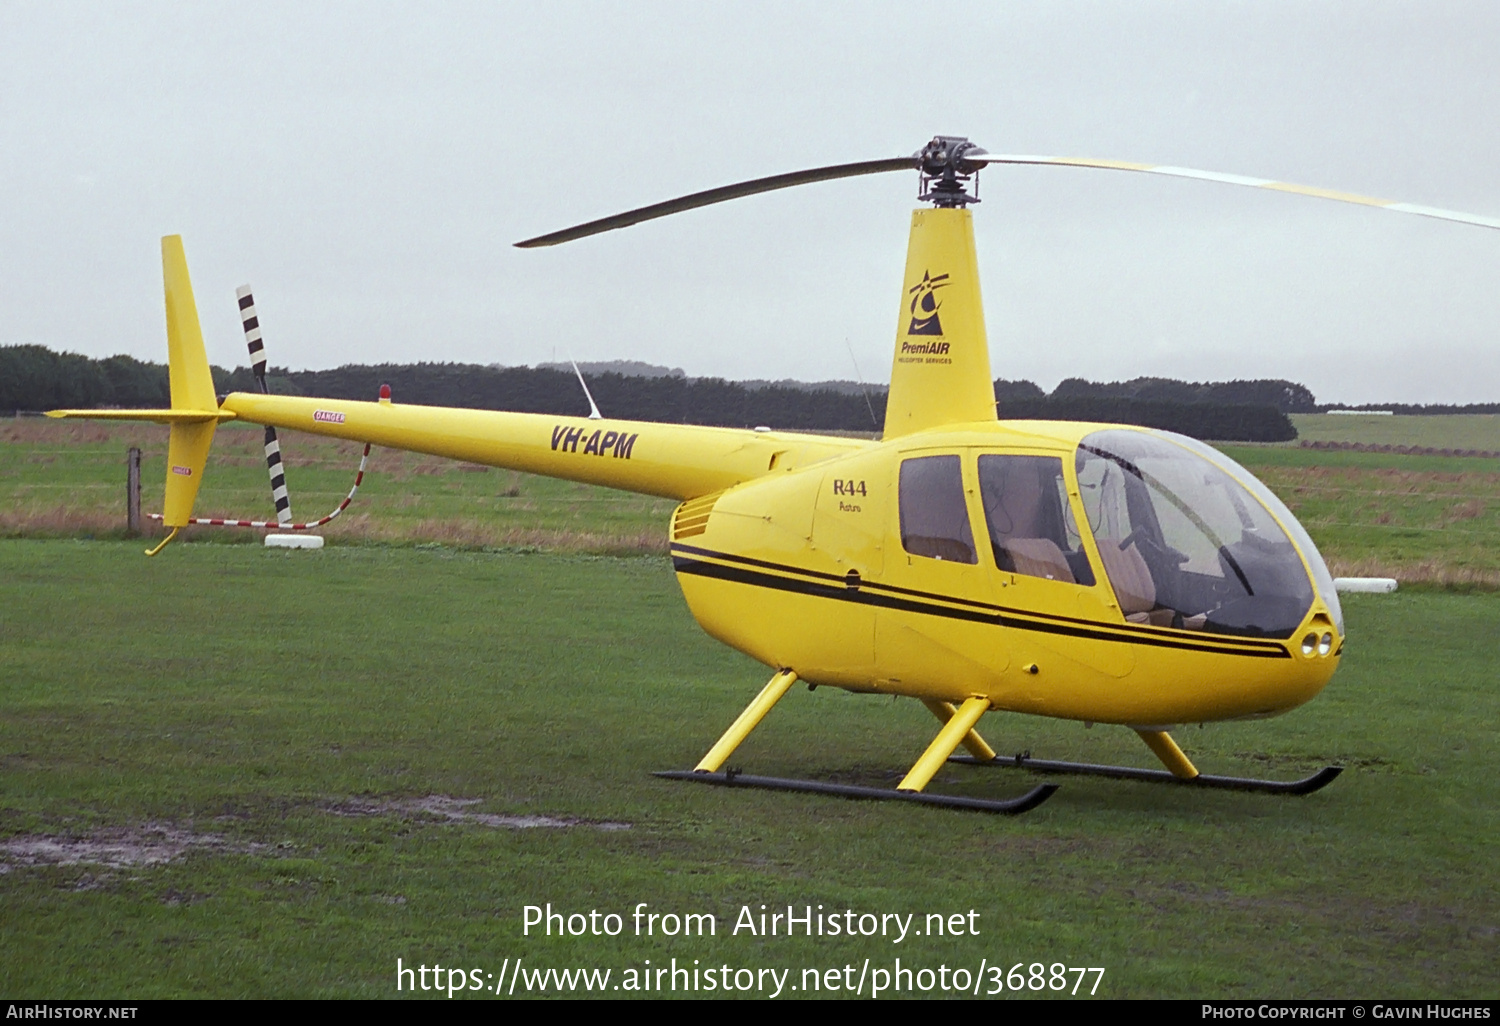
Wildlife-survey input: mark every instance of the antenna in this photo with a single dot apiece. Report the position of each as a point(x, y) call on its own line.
point(594, 413)
point(861, 379)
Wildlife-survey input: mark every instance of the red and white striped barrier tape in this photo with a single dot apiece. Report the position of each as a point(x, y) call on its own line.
point(217, 522)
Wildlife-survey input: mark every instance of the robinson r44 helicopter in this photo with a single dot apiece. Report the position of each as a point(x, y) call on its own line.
point(1092, 572)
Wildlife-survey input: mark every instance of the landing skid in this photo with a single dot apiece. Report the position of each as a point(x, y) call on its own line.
point(732, 778)
point(1023, 760)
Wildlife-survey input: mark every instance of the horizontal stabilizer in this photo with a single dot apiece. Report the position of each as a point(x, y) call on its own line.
point(153, 416)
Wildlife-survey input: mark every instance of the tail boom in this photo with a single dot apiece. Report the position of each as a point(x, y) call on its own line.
point(676, 461)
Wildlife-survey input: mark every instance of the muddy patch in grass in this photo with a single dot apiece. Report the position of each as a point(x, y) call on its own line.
point(447, 809)
point(150, 844)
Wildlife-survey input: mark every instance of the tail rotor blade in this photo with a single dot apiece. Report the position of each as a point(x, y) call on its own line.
point(274, 467)
point(250, 321)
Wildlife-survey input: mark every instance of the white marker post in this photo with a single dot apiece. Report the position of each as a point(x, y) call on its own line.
point(294, 541)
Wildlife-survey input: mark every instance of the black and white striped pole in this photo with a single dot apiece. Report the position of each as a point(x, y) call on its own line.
point(251, 324)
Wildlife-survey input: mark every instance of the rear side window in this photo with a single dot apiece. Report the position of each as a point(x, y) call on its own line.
point(934, 518)
point(1031, 524)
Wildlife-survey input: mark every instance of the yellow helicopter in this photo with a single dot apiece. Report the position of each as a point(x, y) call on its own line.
point(1093, 572)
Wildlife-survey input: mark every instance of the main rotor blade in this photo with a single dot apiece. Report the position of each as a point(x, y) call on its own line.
point(719, 195)
point(1256, 183)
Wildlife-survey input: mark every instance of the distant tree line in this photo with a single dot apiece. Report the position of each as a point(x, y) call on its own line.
point(36, 378)
point(1286, 396)
point(1237, 411)
point(1220, 422)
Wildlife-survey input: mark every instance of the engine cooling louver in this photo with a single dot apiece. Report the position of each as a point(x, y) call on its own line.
point(691, 517)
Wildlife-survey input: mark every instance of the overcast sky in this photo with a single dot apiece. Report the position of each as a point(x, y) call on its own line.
point(366, 168)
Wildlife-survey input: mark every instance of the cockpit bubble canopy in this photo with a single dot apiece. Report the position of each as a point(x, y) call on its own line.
point(1189, 539)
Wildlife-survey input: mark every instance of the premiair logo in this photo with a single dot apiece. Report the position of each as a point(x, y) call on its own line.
point(924, 305)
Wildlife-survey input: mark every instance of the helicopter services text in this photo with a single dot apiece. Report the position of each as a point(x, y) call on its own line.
point(925, 352)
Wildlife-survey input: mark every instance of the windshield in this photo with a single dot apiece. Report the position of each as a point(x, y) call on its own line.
point(1184, 544)
point(1321, 577)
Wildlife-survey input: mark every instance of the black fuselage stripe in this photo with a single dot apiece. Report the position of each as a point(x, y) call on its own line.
point(931, 596)
point(751, 561)
point(989, 613)
point(864, 596)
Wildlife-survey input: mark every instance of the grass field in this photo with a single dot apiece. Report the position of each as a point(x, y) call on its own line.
point(1425, 520)
point(1458, 431)
point(240, 772)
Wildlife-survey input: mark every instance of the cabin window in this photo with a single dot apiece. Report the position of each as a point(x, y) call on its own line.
point(934, 516)
point(1032, 530)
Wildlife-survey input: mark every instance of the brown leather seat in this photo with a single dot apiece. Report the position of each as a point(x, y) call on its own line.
point(1039, 557)
point(1131, 578)
point(954, 550)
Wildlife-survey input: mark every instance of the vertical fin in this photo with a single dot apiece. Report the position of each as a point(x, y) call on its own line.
point(941, 372)
point(192, 387)
point(250, 321)
point(192, 383)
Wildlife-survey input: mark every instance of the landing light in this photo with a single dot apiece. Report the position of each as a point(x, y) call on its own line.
point(1314, 643)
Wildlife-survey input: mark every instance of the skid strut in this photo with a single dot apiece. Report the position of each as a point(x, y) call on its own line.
point(958, 728)
point(747, 721)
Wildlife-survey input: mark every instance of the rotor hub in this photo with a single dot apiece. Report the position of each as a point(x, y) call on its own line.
point(946, 173)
